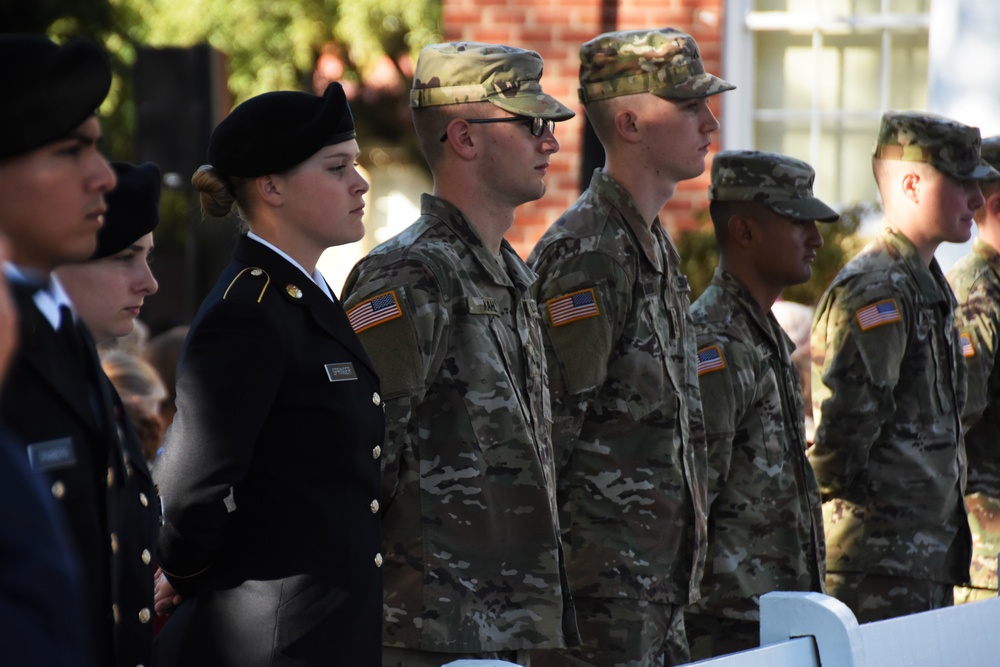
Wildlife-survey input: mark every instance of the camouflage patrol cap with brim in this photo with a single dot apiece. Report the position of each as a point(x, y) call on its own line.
point(665, 62)
point(781, 183)
point(990, 152)
point(467, 72)
point(947, 145)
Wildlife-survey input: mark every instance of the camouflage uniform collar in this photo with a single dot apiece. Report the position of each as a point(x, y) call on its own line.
point(608, 188)
point(768, 325)
point(517, 272)
point(987, 253)
point(930, 280)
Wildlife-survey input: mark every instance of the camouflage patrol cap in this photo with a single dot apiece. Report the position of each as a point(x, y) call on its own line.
point(781, 183)
point(990, 152)
point(466, 72)
point(664, 62)
point(947, 145)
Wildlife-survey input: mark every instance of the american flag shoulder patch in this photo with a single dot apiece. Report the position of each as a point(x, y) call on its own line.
point(967, 349)
point(877, 314)
point(710, 359)
point(376, 310)
point(572, 307)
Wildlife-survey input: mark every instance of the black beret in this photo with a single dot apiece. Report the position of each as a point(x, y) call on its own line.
point(48, 90)
point(273, 132)
point(133, 208)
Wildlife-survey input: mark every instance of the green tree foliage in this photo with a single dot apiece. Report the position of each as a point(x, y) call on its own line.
point(274, 45)
point(268, 45)
point(841, 241)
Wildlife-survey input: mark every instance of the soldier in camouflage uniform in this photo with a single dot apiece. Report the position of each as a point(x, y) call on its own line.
point(976, 281)
point(630, 447)
point(889, 382)
point(765, 520)
point(473, 565)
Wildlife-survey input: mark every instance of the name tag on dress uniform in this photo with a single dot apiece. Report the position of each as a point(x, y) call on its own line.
point(341, 372)
point(52, 454)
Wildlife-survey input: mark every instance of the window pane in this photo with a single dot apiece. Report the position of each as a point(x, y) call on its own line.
point(910, 6)
point(846, 100)
point(851, 69)
point(841, 7)
point(790, 137)
point(788, 61)
point(867, 7)
point(769, 5)
point(844, 173)
point(909, 66)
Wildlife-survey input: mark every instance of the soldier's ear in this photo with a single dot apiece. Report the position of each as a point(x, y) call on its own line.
point(993, 205)
point(910, 185)
point(459, 137)
point(741, 231)
point(627, 125)
point(269, 189)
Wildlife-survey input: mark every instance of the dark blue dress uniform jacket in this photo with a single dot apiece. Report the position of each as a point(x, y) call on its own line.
point(41, 596)
point(270, 479)
point(70, 419)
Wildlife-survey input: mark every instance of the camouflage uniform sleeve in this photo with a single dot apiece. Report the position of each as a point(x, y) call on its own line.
point(977, 319)
point(855, 370)
point(727, 392)
point(578, 349)
point(406, 349)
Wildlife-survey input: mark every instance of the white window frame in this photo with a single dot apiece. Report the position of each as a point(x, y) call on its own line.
point(741, 27)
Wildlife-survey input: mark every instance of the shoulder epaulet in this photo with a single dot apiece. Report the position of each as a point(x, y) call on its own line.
point(253, 280)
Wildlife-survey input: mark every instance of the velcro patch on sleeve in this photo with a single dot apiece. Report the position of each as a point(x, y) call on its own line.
point(710, 359)
point(376, 310)
point(878, 314)
point(967, 348)
point(572, 307)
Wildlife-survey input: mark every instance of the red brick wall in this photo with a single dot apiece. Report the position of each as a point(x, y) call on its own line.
point(556, 29)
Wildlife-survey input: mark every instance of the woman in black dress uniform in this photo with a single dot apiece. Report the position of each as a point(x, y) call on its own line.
point(270, 547)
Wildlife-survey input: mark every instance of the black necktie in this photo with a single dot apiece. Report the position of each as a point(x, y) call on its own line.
point(70, 337)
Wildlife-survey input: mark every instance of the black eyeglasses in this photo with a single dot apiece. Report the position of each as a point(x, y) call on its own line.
point(537, 125)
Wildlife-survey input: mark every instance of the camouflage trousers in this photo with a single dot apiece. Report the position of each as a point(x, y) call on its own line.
point(711, 636)
point(984, 521)
point(876, 597)
point(404, 657)
point(622, 633)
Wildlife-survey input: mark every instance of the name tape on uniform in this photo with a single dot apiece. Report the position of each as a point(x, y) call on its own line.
point(572, 307)
point(341, 372)
point(878, 314)
point(52, 454)
point(376, 310)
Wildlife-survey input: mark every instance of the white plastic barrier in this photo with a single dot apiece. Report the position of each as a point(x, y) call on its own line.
point(814, 630)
